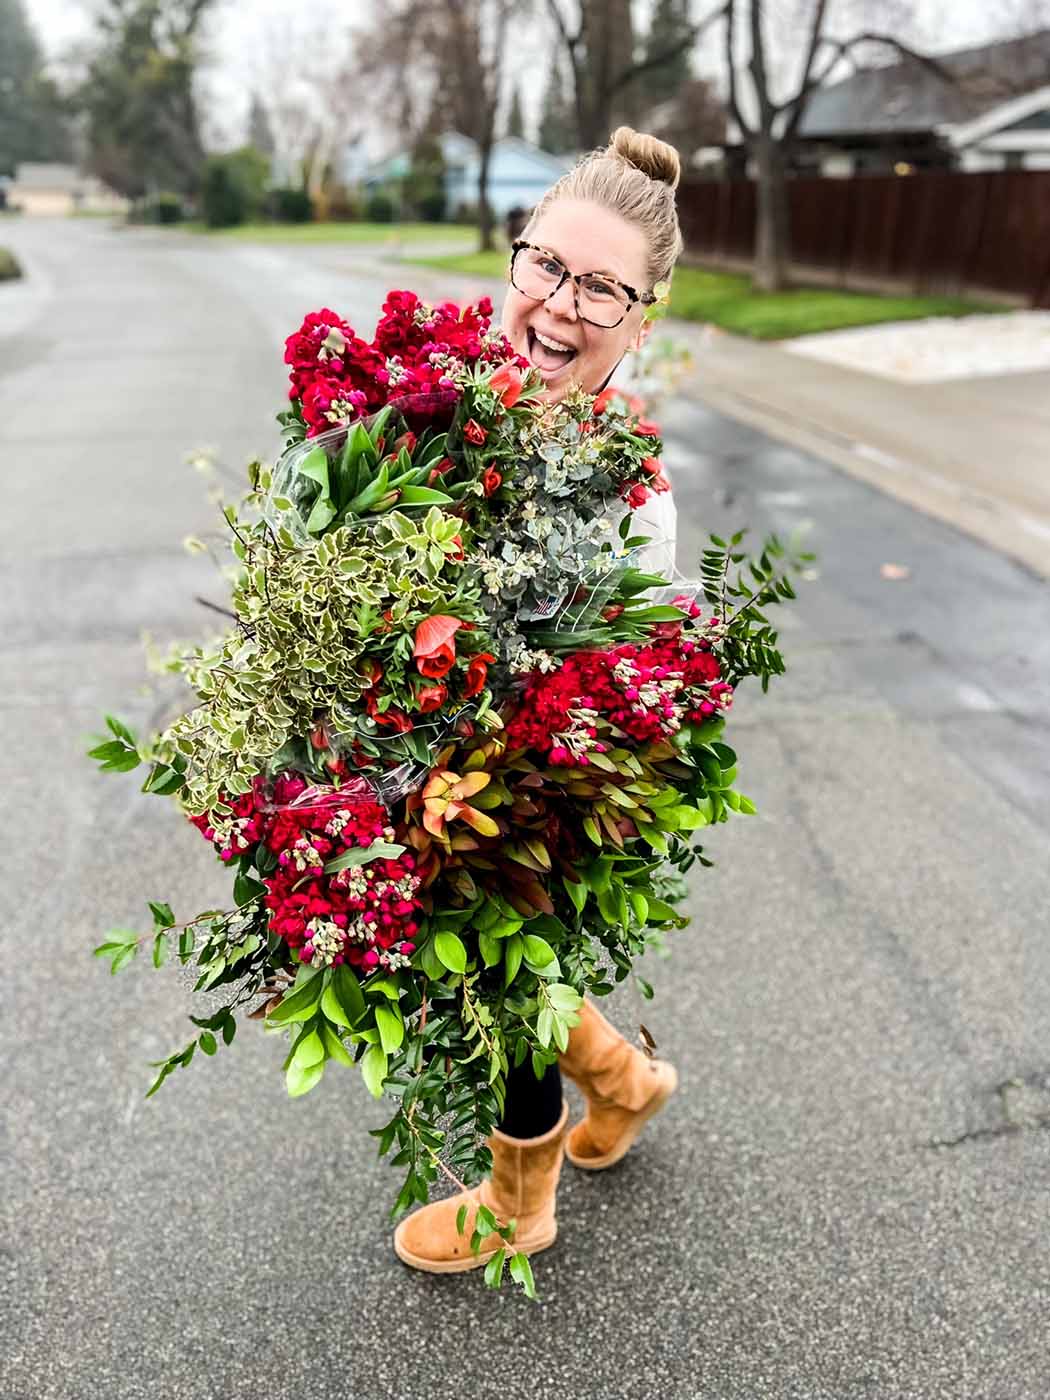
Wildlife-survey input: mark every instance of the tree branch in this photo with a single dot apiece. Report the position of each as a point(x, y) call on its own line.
point(733, 96)
point(666, 55)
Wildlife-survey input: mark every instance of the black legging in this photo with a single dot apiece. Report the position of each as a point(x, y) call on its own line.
point(533, 1106)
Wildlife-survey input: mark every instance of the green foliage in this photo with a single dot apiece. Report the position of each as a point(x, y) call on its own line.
point(379, 209)
point(557, 132)
point(10, 268)
point(33, 118)
point(289, 205)
point(137, 99)
point(233, 187)
point(163, 208)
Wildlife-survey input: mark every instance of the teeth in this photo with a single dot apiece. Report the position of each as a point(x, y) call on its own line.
point(551, 344)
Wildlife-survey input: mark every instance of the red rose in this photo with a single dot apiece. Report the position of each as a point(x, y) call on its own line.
point(459, 556)
point(654, 467)
point(612, 612)
point(637, 495)
point(394, 719)
point(431, 697)
point(507, 382)
point(491, 481)
point(477, 672)
point(646, 428)
point(435, 645)
point(436, 473)
point(474, 432)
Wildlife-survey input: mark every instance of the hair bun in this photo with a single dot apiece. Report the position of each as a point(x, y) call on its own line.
point(648, 154)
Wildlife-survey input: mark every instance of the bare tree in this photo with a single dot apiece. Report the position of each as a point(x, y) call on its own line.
point(769, 123)
point(452, 54)
point(602, 67)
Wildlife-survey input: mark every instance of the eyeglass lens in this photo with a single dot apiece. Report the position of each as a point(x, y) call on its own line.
point(537, 274)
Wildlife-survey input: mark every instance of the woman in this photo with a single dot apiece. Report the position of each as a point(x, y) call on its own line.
point(582, 274)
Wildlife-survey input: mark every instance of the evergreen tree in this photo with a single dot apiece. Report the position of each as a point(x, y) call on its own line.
point(32, 122)
point(668, 31)
point(557, 117)
point(260, 133)
point(515, 119)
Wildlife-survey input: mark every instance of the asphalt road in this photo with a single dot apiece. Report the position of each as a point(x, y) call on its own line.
point(847, 1198)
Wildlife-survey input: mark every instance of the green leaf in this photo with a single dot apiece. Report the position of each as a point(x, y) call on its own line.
point(521, 1272)
point(300, 1004)
point(348, 990)
point(162, 915)
point(207, 1043)
point(590, 826)
point(300, 1079)
point(123, 957)
point(391, 1028)
point(451, 951)
point(514, 951)
point(160, 949)
point(461, 1219)
point(121, 730)
point(423, 496)
point(373, 1070)
point(494, 1268)
point(363, 855)
point(334, 1047)
point(489, 948)
point(245, 889)
point(309, 1050)
point(538, 952)
point(577, 892)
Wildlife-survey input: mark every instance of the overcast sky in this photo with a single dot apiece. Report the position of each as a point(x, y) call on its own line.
point(238, 32)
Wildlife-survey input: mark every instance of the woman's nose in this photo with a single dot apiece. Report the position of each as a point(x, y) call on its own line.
point(563, 301)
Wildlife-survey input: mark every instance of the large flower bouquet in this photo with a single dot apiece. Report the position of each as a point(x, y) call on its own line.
point(456, 744)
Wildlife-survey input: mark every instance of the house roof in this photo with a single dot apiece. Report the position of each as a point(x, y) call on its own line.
point(39, 175)
point(908, 96)
point(458, 149)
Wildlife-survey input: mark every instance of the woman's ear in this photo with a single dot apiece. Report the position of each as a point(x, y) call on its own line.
point(641, 335)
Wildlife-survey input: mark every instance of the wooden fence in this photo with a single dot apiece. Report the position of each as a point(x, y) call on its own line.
point(935, 232)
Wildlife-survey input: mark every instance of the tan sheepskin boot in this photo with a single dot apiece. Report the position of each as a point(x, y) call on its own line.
point(522, 1187)
point(623, 1088)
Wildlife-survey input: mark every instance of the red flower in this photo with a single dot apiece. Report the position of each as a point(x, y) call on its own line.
point(647, 428)
point(637, 495)
point(406, 441)
point(477, 672)
point(435, 645)
point(474, 432)
point(507, 382)
point(393, 718)
point(654, 467)
point(459, 556)
point(604, 399)
point(491, 481)
point(436, 473)
point(431, 697)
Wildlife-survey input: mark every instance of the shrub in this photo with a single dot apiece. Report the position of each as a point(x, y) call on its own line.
point(432, 207)
point(290, 205)
point(379, 209)
point(233, 185)
point(9, 266)
point(343, 205)
point(162, 208)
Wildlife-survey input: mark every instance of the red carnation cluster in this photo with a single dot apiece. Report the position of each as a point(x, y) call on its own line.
point(417, 350)
point(364, 915)
point(647, 692)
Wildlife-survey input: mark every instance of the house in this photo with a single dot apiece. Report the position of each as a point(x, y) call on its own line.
point(51, 189)
point(989, 108)
point(519, 172)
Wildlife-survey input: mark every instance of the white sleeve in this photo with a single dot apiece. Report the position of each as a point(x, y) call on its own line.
point(658, 519)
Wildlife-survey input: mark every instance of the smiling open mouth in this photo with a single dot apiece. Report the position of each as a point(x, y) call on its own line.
point(545, 354)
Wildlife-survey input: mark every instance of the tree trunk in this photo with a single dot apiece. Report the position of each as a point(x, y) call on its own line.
point(773, 231)
point(485, 221)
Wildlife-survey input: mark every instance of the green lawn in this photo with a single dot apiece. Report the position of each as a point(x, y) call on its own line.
point(727, 300)
point(342, 233)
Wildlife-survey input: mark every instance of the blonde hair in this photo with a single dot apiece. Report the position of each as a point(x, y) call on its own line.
point(635, 176)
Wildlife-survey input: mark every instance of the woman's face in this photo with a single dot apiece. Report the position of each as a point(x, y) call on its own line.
point(584, 237)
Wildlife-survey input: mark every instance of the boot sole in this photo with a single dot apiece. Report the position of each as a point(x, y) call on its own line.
point(470, 1261)
point(616, 1154)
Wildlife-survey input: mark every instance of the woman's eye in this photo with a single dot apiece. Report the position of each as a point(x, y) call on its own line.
point(549, 265)
point(600, 289)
